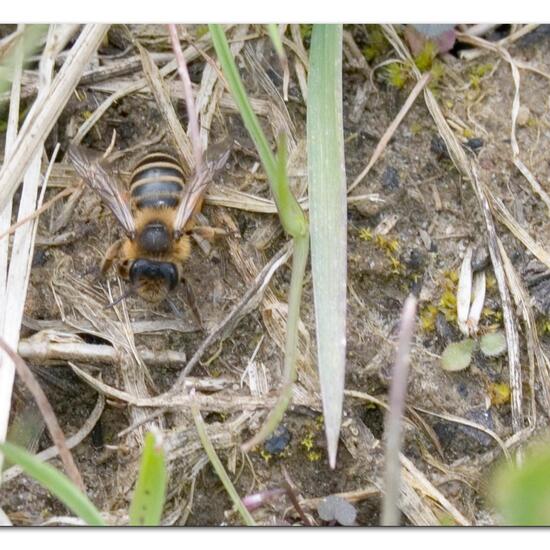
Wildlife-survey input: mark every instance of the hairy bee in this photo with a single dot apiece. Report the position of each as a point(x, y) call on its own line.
point(156, 215)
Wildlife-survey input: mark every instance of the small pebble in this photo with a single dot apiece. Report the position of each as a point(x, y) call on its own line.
point(278, 442)
point(480, 258)
point(390, 179)
point(474, 144)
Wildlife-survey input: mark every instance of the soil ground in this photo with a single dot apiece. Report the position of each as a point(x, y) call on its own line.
point(412, 239)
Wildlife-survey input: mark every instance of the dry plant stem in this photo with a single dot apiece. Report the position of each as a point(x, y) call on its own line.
point(291, 493)
point(39, 351)
point(467, 169)
point(221, 402)
point(390, 131)
point(72, 441)
point(534, 349)
point(469, 423)
point(4, 519)
point(189, 102)
point(510, 325)
point(47, 412)
point(46, 110)
point(429, 492)
point(504, 215)
point(398, 391)
point(5, 213)
point(261, 281)
point(216, 463)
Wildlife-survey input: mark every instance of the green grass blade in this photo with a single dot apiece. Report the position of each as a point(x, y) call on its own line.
point(290, 213)
point(56, 482)
point(328, 218)
point(150, 493)
point(218, 466)
point(273, 30)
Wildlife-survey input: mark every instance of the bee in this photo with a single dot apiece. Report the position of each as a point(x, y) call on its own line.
point(156, 215)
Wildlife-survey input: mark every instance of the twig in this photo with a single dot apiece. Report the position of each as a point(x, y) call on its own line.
point(398, 390)
point(388, 134)
point(221, 402)
point(47, 412)
point(34, 350)
point(291, 493)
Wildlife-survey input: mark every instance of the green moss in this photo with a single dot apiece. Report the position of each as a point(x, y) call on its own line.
point(201, 30)
point(396, 75)
point(428, 315)
point(377, 44)
point(424, 60)
point(305, 31)
point(416, 128)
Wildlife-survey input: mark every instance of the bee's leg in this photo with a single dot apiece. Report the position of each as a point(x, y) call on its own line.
point(190, 299)
point(209, 233)
point(113, 252)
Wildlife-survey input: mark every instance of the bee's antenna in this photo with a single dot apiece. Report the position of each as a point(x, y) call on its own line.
point(129, 292)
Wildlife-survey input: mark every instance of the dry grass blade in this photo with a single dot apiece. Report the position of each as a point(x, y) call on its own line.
point(23, 240)
point(469, 423)
point(464, 292)
point(398, 391)
point(504, 215)
point(48, 414)
point(46, 110)
point(534, 348)
point(390, 131)
point(414, 477)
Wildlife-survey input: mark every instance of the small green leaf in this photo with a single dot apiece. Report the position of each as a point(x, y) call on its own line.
point(493, 344)
point(56, 482)
point(458, 355)
point(150, 492)
point(522, 495)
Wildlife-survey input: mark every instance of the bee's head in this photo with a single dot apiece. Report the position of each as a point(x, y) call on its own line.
point(153, 280)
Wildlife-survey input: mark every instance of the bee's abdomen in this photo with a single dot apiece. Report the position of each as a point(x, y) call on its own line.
point(156, 182)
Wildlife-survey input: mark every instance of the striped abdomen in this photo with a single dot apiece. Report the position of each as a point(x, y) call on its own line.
point(156, 182)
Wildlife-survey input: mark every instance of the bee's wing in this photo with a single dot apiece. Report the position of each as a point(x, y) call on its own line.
point(102, 180)
point(196, 189)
